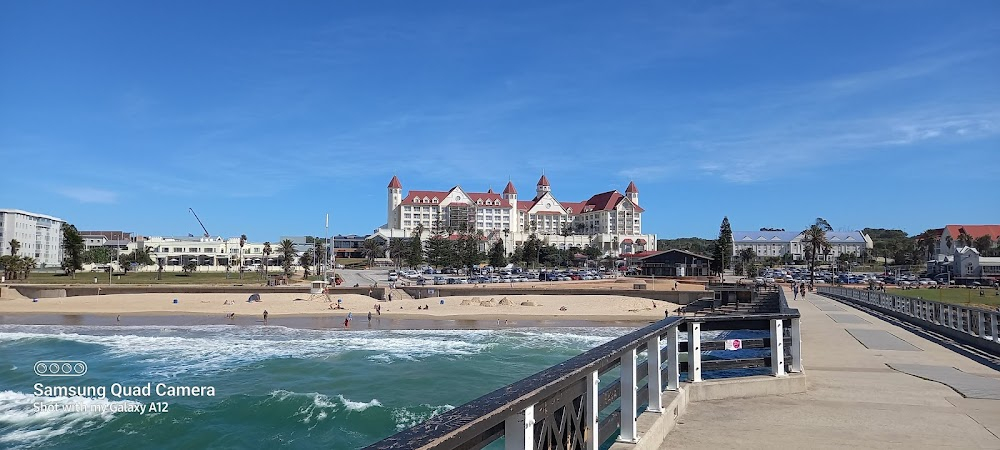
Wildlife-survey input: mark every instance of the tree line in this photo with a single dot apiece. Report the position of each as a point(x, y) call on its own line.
point(465, 250)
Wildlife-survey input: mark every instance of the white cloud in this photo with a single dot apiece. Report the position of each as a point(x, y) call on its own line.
point(89, 195)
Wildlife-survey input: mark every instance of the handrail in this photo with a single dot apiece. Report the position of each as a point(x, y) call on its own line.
point(975, 326)
point(489, 410)
point(572, 384)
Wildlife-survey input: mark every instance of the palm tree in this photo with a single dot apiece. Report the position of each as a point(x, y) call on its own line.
point(964, 238)
point(15, 246)
point(267, 252)
point(747, 255)
point(814, 239)
point(288, 255)
point(243, 241)
point(949, 241)
point(372, 249)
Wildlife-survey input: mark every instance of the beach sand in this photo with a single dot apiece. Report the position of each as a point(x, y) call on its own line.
point(558, 307)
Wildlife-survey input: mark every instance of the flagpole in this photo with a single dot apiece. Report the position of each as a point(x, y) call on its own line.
point(325, 249)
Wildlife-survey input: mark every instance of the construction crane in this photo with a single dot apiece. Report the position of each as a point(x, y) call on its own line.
point(199, 222)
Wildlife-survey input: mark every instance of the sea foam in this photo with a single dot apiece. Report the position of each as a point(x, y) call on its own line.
point(24, 424)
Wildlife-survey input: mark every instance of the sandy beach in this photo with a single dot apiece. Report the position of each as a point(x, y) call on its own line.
point(540, 307)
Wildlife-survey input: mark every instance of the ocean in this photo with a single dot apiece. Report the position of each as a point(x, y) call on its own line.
point(274, 387)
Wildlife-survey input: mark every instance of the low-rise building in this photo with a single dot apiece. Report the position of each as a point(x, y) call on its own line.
point(213, 254)
point(781, 243)
point(676, 263)
point(968, 263)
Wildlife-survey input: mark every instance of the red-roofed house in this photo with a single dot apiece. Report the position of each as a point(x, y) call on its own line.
point(609, 220)
point(950, 236)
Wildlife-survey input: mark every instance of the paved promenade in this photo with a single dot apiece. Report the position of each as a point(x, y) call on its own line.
point(869, 387)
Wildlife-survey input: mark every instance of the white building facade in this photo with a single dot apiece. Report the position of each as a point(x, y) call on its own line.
point(778, 243)
point(609, 221)
point(40, 236)
point(968, 263)
point(211, 254)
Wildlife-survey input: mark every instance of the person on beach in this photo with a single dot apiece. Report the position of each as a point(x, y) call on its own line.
point(369, 317)
point(265, 316)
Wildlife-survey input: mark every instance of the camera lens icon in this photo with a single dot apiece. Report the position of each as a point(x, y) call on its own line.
point(60, 368)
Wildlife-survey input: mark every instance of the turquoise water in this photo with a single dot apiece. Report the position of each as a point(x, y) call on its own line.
point(274, 386)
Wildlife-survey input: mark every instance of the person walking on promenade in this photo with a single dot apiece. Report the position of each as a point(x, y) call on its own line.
point(795, 292)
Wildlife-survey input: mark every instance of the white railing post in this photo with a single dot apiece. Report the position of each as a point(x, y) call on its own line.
point(777, 348)
point(981, 320)
point(993, 327)
point(694, 352)
point(592, 424)
point(519, 430)
point(674, 360)
point(654, 383)
point(796, 349)
point(946, 321)
point(628, 400)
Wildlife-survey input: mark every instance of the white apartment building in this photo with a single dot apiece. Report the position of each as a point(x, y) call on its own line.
point(778, 243)
point(610, 221)
point(209, 254)
point(968, 263)
point(40, 236)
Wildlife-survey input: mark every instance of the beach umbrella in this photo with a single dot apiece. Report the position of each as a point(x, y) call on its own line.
point(254, 298)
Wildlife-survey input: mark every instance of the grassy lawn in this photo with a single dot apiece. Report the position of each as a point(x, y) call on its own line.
point(249, 279)
point(953, 295)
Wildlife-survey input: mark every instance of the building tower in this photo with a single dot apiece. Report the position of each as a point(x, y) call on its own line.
point(542, 187)
point(632, 193)
point(395, 198)
point(510, 194)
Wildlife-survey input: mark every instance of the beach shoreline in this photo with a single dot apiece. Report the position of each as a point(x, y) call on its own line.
point(311, 322)
point(222, 309)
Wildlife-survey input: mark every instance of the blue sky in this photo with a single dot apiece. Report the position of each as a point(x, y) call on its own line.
point(264, 117)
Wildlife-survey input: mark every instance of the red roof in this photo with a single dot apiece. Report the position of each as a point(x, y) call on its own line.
point(626, 241)
point(510, 188)
point(606, 201)
point(976, 231)
point(412, 195)
point(493, 196)
point(394, 183)
point(631, 188)
point(543, 181)
point(524, 205)
point(573, 207)
point(640, 241)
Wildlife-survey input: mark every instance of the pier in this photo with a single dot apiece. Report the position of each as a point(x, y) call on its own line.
point(883, 371)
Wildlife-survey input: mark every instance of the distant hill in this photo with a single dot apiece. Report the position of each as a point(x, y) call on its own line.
point(691, 244)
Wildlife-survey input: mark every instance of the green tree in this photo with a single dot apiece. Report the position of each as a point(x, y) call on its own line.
point(319, 253)
point(441, 252)
point(723, 248)
point(306, 261)
point(467, 249)
point(139, 257)
point(27, 264)
point(15, 246)
point(983, 244)
point(397, 251)
point(517, 256)
point(415, 254)
point(815, 242)
point(965, 239)
point(190, 267)
point(497, 254)
point(73, 248)
point(97, 255)
point(372, 249)
point(532, 250)
point(267, 252)
point(747, 257)
point(243, 241)
point(287, 249)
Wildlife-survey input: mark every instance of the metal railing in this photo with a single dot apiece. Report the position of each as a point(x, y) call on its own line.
point(560, 407)
point(968, 321)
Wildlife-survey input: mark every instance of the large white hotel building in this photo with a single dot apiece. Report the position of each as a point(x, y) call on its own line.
point(609, 221)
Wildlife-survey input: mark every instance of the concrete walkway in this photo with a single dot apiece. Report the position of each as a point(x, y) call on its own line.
point(855, 399)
